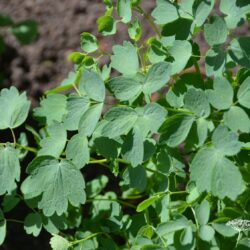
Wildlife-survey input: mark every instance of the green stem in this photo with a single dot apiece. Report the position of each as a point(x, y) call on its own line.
point(149, 19)
point(197, 68)
point(98, 161)
point(86, 238)
point(119, 201)
point(14, 220)
point(34, 150)
point(13, 136)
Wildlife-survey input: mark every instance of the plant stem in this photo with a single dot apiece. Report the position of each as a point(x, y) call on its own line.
point(150, 20)
point(34, 150)
point(98, 161)
point(14, 220)
point(86, 238)
point(13, 136)
point(117, 200)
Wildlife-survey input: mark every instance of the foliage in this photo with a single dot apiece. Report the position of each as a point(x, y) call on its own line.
point(170, 155)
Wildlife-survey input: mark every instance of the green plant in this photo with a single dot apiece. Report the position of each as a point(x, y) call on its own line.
point(177, 169)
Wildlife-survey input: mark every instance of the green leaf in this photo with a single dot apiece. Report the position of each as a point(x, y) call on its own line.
point(90, 119)
point(138, 178)
point(124, 10)
point(76, 107)
point(239, 50)
point(235, 12)
point(223, 229)
point(106, 25)
point(25, 31)
point(196, 101)
point(133, 148)
point(243, 94)
point(181, 51)
point(146, 203)
point(215, 32)
point(202, 10)
point(135, 30)
point(158, 75)
point(9, 169)
point(88, 42)
point(218, 175)
point(221, 97)
point(53, 108)
point(2, 228)
point(215, 61)
point(33, 224)
point(5, 20)
point(57, 182)
point(109, 148)
point(125, 59)
point(14, 108)
point(237, 120)
point(57, 242)
point(180, 29)
point(206, 233)
point(77, 150)
point(93, 85)
point(150, 118)
point(202, 212)
point(202, 130)
point(125, 88)
point(54, 144)
point(120, 120)
point(176, 129)
point(226, 142)
point(165, 12)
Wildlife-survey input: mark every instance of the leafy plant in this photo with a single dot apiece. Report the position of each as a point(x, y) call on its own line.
point(170, 152)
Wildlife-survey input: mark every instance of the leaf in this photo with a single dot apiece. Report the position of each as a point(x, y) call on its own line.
point(2, 228)
point(235, 11)
point(88, 42)
point(76, 107)
point(237, 120)
point(138, 178)
point(125, 88)
point(57, 242)
point(215, 61)
point(239, 50)
point(226, 142)
point(176, 129)
point(33, 224)
point(158, 75)
point(9, 169)
point(92, 83)
point(243, 94)
point(196, 101)
point(57, 182)
point(54, 144)
point(124, 10)
point(106, 25)
point(90, 119)
point(5, 20)
point(125, 59)
point(223, 229)
point(77, 150)
point(135, 30)
point(215, 32)
point(147, 203)
point(218, 175)
point(25, 31)
point(165, 12)
point(202, 212)
point(181, 51)
point(202, 130)
point(94, 187)
point(53, 108)
point(181, 29)
point(133, 148)
point(14, 108)
point(150, 118)
point(221, 97)
point(120, 120)
point(202, 10)
point(109, 148)
point(206, 233)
